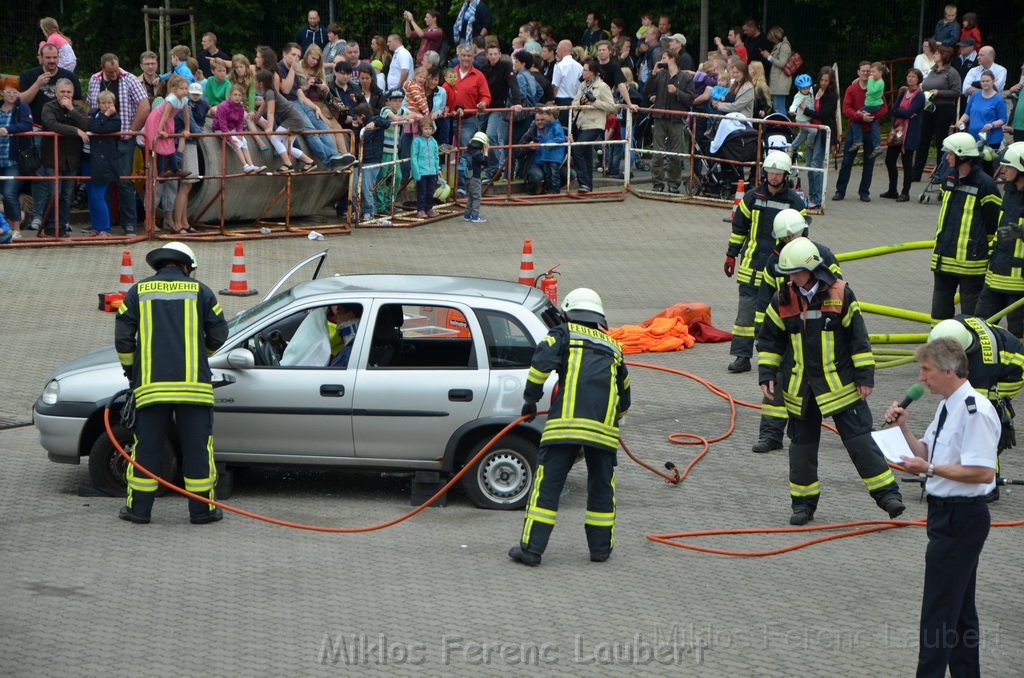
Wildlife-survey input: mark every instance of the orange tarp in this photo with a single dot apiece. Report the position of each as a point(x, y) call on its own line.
point(660, 335)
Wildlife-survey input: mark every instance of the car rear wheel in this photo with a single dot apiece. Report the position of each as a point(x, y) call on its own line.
point(107, 466)
point(502, 478)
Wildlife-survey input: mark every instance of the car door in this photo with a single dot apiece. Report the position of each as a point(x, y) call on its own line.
point(287, 413)
point(423, 376)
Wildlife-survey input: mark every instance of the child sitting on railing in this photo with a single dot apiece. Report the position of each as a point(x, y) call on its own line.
point(230, 117)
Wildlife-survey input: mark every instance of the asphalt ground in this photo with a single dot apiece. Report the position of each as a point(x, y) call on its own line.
point(85, 594)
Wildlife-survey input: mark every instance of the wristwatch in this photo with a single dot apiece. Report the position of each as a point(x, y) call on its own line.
point(930, 473)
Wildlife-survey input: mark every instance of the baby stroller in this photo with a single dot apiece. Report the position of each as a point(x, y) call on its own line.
point(777, 137)
point(735, 141)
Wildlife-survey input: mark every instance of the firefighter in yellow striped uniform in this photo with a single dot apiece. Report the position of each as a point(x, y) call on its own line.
point(967, 222)
point(165, 329)
point(789, 225)
point(816, 317)
point(1004, 280)
point(592, 395)
point(750, 244)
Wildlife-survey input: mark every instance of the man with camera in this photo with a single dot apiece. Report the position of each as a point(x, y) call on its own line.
point(668, 89)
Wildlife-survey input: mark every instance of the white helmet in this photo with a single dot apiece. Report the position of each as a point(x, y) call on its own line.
point(788, 223)
point(799, 254)
point(1014, 156)
point(961, 144)
point(952, 329)
point(777, 161)
point(584, 304)
point(177, 252)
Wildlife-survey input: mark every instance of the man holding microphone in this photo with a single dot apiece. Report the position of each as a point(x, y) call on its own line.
point(957, 455)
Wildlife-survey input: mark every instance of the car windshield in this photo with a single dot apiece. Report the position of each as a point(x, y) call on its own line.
point(265, 307)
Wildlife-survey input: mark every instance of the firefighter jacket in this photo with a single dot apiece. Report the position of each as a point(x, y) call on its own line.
point(772, 280)
point(829, 343)
point(752, 240)
point(995, 361)
point(967, 220)
point(165, 328)
point(593, 386)
point(1006, 268)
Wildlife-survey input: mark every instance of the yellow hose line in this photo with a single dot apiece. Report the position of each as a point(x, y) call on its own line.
point(895, 363)
point(886, 249)
point(893, 312)
point(898, 338)
point(881, 350)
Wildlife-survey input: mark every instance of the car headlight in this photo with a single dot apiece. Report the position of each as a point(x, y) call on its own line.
point(51, 394)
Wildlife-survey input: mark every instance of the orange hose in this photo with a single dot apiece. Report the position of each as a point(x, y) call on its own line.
point(303, 526)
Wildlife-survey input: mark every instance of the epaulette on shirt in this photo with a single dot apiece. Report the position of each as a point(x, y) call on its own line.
point(971, 407)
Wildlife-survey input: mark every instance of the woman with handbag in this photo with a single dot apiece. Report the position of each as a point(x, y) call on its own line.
point(905, 134)
point(781, 81)
point(15, 118)
point(942, 87)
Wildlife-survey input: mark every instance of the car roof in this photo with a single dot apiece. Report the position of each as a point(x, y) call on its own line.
point(417, 284)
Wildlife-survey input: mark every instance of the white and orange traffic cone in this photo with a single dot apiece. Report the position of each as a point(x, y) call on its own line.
point(127, 278)
point(239, 285)
point(526, 276)
point(740, 192)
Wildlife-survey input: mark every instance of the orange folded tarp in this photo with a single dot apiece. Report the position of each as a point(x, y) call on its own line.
point(677, 327)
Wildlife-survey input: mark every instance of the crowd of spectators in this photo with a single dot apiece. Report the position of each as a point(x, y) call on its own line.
point(469, 80)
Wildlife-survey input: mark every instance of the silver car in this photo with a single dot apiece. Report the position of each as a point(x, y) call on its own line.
point(437, 366)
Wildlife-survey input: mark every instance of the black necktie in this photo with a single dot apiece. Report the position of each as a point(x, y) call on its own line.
point(938, 430)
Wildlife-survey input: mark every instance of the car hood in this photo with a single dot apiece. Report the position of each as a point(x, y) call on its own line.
point(100, 358)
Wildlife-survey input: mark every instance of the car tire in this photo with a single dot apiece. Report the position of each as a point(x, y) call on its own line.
point(501, 480)
point(107, 466)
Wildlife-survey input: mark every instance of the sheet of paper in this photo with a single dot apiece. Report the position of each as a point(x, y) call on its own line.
point(893, 444)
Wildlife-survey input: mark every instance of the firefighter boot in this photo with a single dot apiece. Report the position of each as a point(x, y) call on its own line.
point(519, 554)
point(803, 510)
point(138, 508)
point(875, 473)
point(804, 488)
point(770, 435)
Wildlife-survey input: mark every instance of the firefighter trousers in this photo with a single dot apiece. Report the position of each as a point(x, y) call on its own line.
point(945, 289)
point(743, 328)
point(194, 424)
point(854, 426)
point(553, 465)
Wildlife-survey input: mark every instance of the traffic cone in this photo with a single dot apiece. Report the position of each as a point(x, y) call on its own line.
point(127, 278)
point(526, 276)
point(740, 192)
point(239, 285)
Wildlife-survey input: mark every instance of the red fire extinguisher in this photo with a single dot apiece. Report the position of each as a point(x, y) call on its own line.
point(548, 284)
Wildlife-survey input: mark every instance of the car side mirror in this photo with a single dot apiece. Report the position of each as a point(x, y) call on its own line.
point(237, 358)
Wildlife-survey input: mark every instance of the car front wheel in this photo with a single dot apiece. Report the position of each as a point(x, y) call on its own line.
point(107, 466)
point(502, 478)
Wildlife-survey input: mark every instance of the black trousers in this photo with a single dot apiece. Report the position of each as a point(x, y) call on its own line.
point(907, 160)
point(854, 426)
point(945, 289)
point(553, 465)
point(743, 327)
point(992, 301)
point(934, 129)
point(195, 432)
point(949, 618)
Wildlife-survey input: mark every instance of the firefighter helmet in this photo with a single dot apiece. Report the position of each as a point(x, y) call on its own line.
point(788, 223)
point(952, 329)
point(961, 144)
point(583, 304)
point(1014, 156)
point(176, 252)
point(799, 254)
point(443, 192)
point(480, 138)
point(777, 161)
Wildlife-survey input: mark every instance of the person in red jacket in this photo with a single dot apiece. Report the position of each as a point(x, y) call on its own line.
point(853, 102)
point(472, 96)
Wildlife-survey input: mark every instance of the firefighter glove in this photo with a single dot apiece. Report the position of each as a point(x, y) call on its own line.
point(1009, 232)
point(129, 372)
point(730, 266)
point(529, 411)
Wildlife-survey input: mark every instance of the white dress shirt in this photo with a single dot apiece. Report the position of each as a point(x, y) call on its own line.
point(567, 77)
point(966, 438)
point(974, 75)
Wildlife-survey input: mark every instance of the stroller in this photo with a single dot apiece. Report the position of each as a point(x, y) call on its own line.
point(735, 141)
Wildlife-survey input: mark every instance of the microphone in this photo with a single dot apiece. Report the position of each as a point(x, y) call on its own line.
point(913, 393)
